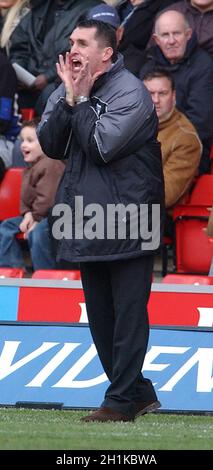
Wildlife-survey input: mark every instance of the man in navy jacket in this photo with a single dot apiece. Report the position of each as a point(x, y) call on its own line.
point(103, 120)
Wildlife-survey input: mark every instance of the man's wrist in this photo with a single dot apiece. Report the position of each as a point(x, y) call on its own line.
point(69, 99)
point(81, 99)
point(69, 96)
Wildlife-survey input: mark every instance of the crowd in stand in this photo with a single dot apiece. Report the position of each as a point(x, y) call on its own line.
point(167, 44)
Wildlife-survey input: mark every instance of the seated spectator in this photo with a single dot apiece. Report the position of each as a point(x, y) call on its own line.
point(9, 125)
point(38, 40)
point(180, 144)
point(199, 14)
point(137, 19)
point(12, 12)
point(177, 50)
point(40, 181)
point(209, 232)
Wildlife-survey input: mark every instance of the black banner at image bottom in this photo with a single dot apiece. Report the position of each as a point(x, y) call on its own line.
point(94, 458)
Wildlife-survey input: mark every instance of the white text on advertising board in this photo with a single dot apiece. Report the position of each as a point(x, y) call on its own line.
point(156, 360)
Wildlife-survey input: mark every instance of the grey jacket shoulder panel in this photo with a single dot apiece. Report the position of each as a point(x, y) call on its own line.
point(126, 98)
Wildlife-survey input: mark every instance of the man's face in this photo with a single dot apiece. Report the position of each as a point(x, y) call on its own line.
point(162, 95)
point(202, 5)
point(84, 46)
point(172, 35)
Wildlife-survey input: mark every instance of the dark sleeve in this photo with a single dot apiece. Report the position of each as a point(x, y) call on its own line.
point(8, 88)
point(147, 63)
point(199, 104)
point(137, 30)
point(19, 49)
point(55, 133)
point(2, 169)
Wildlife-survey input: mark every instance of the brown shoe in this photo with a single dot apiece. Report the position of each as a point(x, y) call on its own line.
point(104, 414)
point(141, 408)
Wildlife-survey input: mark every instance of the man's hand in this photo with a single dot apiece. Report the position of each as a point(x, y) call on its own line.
point(40, 82)
point(84, 81)
point(76, 83)
point(64, 71)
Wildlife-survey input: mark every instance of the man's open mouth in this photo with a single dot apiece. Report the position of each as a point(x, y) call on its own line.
point(76, 65)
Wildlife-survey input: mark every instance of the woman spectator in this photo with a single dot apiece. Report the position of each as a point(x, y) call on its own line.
point(12, 11)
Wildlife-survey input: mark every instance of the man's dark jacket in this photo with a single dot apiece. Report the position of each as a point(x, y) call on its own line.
point(113, 158)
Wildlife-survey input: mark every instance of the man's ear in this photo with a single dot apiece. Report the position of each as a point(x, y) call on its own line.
point(107, 53)
point(156, 39)
point(188, 33)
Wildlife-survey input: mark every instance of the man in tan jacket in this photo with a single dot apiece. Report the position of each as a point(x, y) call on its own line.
point(180, 144)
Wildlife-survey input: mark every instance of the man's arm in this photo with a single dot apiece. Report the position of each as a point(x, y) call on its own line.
point(181, 166)
point(199, 105)
point(19, 49)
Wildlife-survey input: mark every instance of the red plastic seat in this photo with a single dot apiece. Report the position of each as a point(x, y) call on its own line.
point(27, 114)
point(10, 193)
point(187, 279)
point(211, 158)
point(11, 272)
point(202, 193)
point(193, 250)
point(65, 275)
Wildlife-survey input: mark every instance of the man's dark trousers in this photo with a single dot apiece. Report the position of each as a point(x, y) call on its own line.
point(116, 294)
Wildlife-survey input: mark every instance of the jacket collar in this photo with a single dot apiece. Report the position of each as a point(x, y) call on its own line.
point(116, 66)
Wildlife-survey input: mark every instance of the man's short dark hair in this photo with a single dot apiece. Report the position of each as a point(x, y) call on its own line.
point(104, 33)
point(160, 72)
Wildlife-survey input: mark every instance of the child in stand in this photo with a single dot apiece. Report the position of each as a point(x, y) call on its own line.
point(39, 185)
